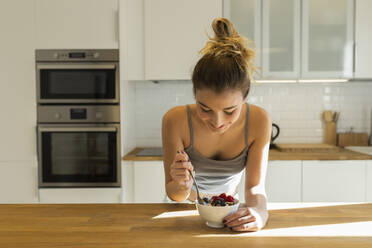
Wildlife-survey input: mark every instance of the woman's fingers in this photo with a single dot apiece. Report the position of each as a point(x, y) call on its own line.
point(234, 216)
point(241, 221)
point(246, 227)
point(182, 165)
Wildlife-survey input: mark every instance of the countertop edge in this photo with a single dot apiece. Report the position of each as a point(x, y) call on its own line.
point(274, 155)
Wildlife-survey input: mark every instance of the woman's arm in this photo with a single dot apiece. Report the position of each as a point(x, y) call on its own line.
point(253, 216)
point(176, 166)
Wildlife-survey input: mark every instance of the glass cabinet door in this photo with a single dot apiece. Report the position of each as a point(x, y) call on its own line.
point(281, 39)
point(246, 17)
point(327, 38)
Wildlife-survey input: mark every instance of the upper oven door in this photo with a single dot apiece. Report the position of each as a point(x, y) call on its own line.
point(78, 82)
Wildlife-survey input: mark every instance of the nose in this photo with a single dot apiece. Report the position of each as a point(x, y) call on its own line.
point(217, 121)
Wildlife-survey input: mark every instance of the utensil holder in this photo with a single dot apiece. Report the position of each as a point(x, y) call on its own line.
point(330, 133)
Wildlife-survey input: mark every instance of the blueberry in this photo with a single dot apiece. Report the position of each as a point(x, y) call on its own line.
point(205, 199)
point(217, 203)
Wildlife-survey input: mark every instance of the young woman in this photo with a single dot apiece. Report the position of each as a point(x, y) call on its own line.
point(220, 136)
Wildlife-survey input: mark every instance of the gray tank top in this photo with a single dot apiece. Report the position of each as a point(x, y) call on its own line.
point(217, 176)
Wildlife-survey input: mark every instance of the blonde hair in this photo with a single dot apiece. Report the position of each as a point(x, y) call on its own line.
point(226, 62)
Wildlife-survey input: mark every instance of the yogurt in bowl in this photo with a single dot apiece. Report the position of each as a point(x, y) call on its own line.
point(216, 209)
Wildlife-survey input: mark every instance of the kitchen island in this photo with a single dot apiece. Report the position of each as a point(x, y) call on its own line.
point(179, 225)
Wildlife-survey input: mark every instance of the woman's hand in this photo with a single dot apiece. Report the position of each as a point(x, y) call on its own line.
point(246, 219)
point(180, 171)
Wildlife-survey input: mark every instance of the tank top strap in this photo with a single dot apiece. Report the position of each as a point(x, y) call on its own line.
point(246, 125)
point(190, 125)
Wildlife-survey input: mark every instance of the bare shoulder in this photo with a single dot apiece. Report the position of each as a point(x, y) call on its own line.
point(175, 115)
point(175, 122)
point(260, 121)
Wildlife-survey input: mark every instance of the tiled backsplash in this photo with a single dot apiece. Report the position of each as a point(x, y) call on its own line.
point(296, 108)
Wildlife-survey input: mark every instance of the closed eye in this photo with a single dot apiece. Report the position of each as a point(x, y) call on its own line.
point(229, 113)
point(205, 110)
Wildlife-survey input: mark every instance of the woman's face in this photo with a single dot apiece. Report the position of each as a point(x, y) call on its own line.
point(218, 110)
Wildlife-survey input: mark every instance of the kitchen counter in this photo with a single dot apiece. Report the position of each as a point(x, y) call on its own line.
point(341, 154)
point(179, 225)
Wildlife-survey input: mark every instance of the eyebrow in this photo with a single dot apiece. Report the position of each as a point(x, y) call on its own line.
point(209, 107)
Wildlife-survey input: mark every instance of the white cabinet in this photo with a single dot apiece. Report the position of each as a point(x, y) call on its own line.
point(246, 17)
point(149, 182)
point(18, 182)
point(281, 39)
point(300, 38)
point(327, 38)
point(363, 37)
point(17, 85)
point(131, 40)
point(334, 181)
point(80, 195)
point(283, 181)
point(369, 181)
point(174, 33)
point(80, 24)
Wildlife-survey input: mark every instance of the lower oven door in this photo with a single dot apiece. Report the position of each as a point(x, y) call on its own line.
point(79, 155)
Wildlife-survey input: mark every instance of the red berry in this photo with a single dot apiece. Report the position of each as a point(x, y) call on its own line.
point(230, 198)
point(223, 195)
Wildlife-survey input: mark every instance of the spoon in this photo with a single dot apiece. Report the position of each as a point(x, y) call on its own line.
point(199, 199)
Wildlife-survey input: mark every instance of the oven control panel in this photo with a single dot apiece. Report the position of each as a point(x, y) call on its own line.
point(75, 114)
point(77, 55)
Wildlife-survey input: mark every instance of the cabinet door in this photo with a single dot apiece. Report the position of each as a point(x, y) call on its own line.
point(80, 195)
point(281, 39)
point(334, 181)
point(246, 17)
point(18, 182)
point(148, 181)
point(17, 86)
point(363, 37)
point(79, 24)
point(327, 38)
point(284, 181)
point(369, 181)
point(175, 31)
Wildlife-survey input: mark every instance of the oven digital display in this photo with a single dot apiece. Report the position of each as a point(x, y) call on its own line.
point(76, 55)
point(78, 114)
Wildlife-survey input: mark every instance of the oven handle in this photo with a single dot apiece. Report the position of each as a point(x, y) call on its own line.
point(73, 66)
point(77, 129)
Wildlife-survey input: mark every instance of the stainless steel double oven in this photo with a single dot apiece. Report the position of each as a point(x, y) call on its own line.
point(78, 115)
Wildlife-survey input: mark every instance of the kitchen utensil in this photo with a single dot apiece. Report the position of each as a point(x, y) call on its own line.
point(273, 137)
point(305, 147)
point(327, 115)
point(336, 116)
point(198, 198)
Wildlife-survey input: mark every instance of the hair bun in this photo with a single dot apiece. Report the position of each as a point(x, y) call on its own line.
point(228, 43)
point(223, 28)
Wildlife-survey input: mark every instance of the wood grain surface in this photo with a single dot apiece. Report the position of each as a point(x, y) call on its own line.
point(178, 225)
point(274, 154)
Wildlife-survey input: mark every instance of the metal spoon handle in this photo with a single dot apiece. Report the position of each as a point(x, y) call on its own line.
point(200, 200)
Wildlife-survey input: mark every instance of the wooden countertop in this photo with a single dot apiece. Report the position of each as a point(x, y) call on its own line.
point(179, 225)
point(341, 154)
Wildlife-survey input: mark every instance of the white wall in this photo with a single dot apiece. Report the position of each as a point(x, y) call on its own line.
point(296, 108)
